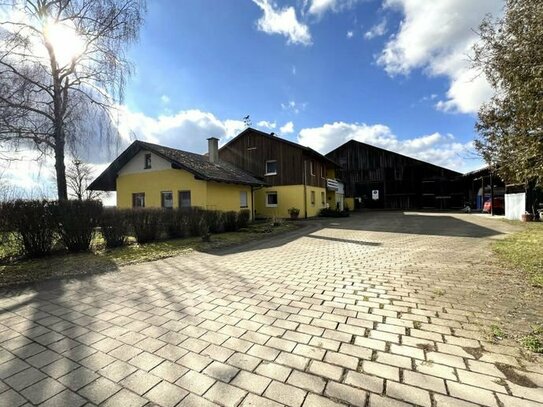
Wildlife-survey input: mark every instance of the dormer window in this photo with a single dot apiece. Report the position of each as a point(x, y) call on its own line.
point(271, 167)
point(147, 161)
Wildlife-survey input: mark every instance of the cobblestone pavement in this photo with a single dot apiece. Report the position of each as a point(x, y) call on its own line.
point(380, 309)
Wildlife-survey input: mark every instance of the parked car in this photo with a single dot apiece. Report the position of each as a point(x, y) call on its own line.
point(499, 206)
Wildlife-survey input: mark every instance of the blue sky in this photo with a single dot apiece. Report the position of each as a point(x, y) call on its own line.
point(392, 73)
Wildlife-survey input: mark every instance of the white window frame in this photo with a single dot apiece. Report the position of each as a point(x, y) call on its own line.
point(271, 173)
point(139, 195)
point(312, 167)
point(268, 204)
point(243, 194)
point(147, 161)
point(163, 201)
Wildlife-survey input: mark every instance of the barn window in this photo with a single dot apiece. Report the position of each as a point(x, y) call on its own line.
point(271, 167)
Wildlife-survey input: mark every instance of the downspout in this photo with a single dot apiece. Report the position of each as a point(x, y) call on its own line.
point(305, 189)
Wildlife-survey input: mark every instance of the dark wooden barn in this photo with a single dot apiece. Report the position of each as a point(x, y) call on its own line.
point(378, 178)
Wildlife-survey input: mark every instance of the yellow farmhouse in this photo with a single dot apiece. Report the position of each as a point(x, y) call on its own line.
point(150, 175)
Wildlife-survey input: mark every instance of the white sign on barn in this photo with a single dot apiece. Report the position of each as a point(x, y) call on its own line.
point(515, 205)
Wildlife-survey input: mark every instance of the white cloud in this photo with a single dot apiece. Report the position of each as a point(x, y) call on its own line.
point(266, 124)
point(319, 7)
point(165, 99)
point(185, 130)
point(282, 21)
point(378, 30)
point(350, 34)
point(288, 128)
point(438, 36)
point(435, 148)
point(293, 106)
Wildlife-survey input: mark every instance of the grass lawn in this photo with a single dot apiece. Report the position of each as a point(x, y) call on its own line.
point(524, 250)
point(101, 259)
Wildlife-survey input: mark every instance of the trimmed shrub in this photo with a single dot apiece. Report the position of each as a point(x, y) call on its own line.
point(194, 218)
point(146, 224)
point(32, 223)
point(230, 221)
point(76, 222)
point(176, 223)
point(114, 226)
point(214, 221)
point(244, 216)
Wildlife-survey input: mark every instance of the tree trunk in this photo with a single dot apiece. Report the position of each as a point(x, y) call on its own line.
point(60, 167)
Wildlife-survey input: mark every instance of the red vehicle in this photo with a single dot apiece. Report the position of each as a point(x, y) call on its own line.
point(499, 206)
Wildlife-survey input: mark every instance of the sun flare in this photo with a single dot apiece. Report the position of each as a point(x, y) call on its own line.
point(65, 42)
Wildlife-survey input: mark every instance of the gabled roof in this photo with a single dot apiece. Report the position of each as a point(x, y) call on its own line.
point(352, 141)
point(197, 164)
point(272, 136)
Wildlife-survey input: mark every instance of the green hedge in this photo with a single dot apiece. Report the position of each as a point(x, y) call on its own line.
point(37, 225)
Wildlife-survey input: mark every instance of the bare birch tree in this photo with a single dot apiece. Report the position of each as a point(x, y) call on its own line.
point(62, 61)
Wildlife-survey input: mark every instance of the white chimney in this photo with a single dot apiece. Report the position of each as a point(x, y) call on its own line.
point(213, 149)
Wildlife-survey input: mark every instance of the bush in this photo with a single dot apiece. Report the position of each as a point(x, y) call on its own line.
point(76, 222)
point(114, 225)
point(230, 221)
point(146, 224)
point(244, 216)
point(214, 221)
point(176, 223)
point(195, 221)
point(32, 223)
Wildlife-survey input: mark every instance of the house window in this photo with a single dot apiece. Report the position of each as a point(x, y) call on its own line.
point(147, 161)
point(271, 199)
point(184, 199)
point(166, 199)
point(138, 200)
point(271, 167)
point(312, 167)
point(312, 198)
point(243, 199)
point(323, 200)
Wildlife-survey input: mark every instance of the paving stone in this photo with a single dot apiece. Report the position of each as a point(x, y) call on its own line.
point(43, 390)
point(64, 398)
point(125, 398)
point(326, 370)
point(25, 378)
point(140, 382)
point(166, 394)
point(273, 370)
point(348, 394)
point(78, 378)
point(378, 369)
point(11, 398)
point(376, 400)
point(169, 371)
point(222, 372)
point(426, 382)
point(307, 381)
point(251, 382)
point(195, 382)
point(99, 390)
point(244, 361)
point(117, 370)
point(285, 394)
point(313, 400)
point(225, 394)
point(408, 393)
point(477, 395)
point(366, 382)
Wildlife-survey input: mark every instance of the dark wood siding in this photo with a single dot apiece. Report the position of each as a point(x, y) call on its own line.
point(402, 182)
point(250, 151)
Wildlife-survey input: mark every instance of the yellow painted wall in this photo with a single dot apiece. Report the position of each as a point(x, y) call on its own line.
point(226, 197)
point(331, 173)
point(209, 195)
point(153, 183)
point(288, 196)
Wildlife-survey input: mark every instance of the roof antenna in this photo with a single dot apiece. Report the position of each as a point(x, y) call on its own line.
point(247, 121)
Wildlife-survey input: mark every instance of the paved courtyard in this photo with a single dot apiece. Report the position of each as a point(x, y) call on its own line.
point(380, 309)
